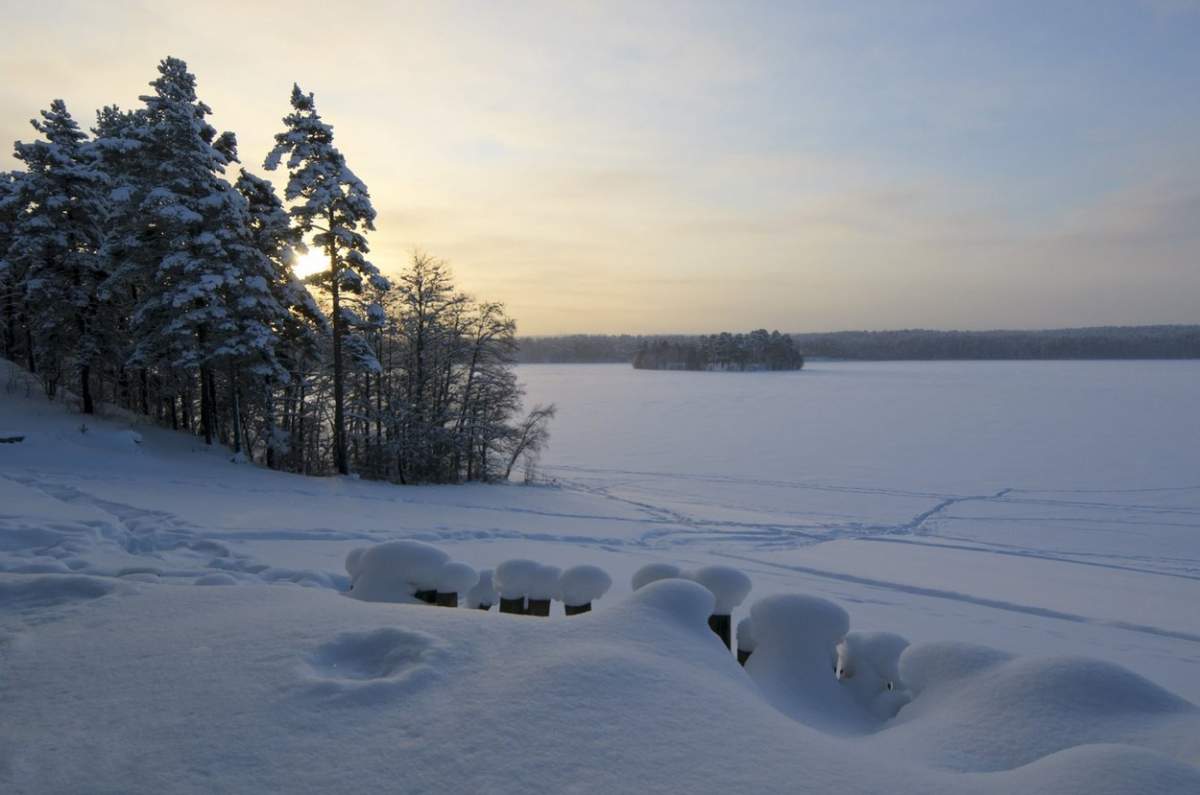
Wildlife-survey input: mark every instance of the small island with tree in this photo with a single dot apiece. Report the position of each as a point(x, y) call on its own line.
point(758, 350)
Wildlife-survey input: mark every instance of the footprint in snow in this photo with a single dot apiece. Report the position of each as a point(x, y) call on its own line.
point(376, 660)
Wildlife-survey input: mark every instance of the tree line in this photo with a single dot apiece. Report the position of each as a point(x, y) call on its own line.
point(758, 350)
point(137, 271)
point(1103, 342)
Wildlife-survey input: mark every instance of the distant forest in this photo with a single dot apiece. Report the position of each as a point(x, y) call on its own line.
point(758, 350)
point(1101, 342)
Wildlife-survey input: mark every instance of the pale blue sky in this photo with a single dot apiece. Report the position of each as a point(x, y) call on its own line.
point(698, 166)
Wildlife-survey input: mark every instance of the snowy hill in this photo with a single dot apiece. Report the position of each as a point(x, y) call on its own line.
point(119, 671)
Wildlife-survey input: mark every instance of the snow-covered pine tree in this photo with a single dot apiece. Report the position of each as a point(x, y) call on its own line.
point(56, 245)
point(9, 208)
point(207, 299)
point(125, 236)
point(299, 330)
point(328, 199)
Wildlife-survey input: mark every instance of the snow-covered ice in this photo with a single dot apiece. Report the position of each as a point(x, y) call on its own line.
point(1031, 528)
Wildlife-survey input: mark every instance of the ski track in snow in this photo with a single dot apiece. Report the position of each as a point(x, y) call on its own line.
point(151, 533)
point(995, 604)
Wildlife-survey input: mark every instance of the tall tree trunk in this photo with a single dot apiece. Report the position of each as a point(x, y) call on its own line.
point(10, 324)
point(85, 388)
point(339, 412)
point(32, 361)
point(303, 462)
point(206, 404)
point(236, 408)
point(186, 400)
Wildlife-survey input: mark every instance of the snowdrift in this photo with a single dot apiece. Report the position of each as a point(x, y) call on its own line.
point(297, 689)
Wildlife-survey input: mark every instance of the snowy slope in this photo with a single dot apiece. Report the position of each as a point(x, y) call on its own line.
point(119, 673)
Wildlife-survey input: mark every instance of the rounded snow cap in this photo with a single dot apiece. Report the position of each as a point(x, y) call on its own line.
point(652, 572)
point(879, 651)
point(353, 559)
point(729, 585)
point(483, 592)
point(792, 619)
point(682, 601)
point(543, 582)
point(456, 577)
point(512, 577)
point(745, 635)
point(926, 664)
point(391, 572)
point(581, 585)
point(415, 562)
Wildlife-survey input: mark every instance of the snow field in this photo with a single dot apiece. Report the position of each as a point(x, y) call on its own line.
point(1052, 646)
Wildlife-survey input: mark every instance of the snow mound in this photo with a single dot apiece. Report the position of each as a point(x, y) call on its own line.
point(653, 572)
point(1010, 713)
point(880, 651)
point(483, 592)
point(745, 634)
point(868, 664)
point(681, 601)
point(581, 585)
point(943, 662)
point(806, 622)
point(1101, 768)
point(457, 578)
point(729, 585)
point(794, 663)
point(543, 582)
point(354, 561)
point(394, 571)
point(514, 577)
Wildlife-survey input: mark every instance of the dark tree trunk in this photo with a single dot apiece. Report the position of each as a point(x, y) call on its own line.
point(339, 409)
point(31, 360)
point(206, 404)
point(85, 388)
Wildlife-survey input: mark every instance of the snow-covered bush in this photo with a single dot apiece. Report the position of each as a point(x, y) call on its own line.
point(395, 571)
point(453, 580)
point(652, 572)
point(483, 594)
point(579, 586)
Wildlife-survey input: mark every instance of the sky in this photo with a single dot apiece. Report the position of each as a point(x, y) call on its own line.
point(695, 167)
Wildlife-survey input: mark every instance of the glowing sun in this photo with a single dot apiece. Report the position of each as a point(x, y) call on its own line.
point(310, 263)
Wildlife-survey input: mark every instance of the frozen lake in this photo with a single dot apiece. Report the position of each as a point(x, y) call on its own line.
point(907, 425)
point(1043, 502)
